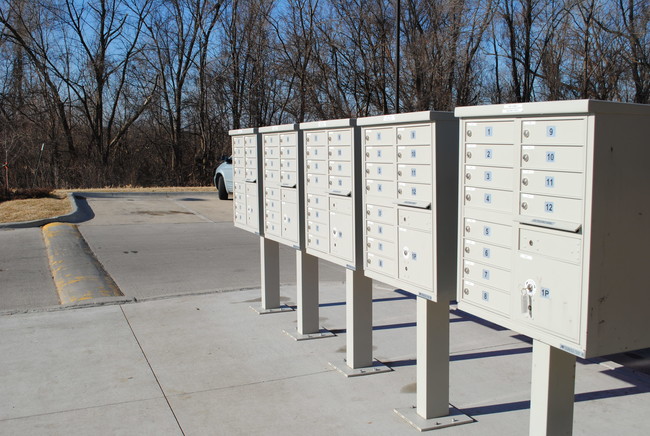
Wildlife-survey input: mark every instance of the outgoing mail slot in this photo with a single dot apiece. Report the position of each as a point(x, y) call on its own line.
point(488, 177)
point(381, 247)
point(319, 215)
point(340, 137)
point(415, 219)
point(556, 298)
point(316, 183)
point(490, 155)
point(414, 173)
point(288, 152)
point(288, 178)
point(381, 214)
point(380, 154)
point(317, 201)
point(318, 229)
point(340, 185)
point(289, 195)
point(385, 232)
point(486, 253)
point(319, 153)
point(289, 139)
point(381, 264)
point(341, 204)
point(490, 132)
point(380, 171)
point(567, 248)
point(251, 189)
point(251, 152)
point(341, 235)
point(486, 297)
point(272, 177)
point(414, 135)
point(272, 193)
point(317, 242)
point(316, 138)
point(552, 183)
point(550, 209)
point(484, 231)
point(316, 167)
point(549, 132)
point(414, 154)
point(414, 192)
point(340, 153)
point(340, 168)
point(380, 188)
point(384, 136)
point(486, 274)
point(552, 158)
point(488, 199)
point(414, 257)
point(288, 165)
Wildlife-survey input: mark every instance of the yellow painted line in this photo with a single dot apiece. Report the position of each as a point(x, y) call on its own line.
point(78, 275)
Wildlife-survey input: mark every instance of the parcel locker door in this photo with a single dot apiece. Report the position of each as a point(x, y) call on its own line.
point(342, 236)
point(415, 257)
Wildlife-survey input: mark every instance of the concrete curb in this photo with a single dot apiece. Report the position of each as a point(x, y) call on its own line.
point(78, 275)
point(80, 212)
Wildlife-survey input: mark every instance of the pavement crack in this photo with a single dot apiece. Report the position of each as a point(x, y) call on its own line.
point(152, 371)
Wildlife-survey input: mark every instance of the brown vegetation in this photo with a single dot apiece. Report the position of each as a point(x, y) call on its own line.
point(143, 92)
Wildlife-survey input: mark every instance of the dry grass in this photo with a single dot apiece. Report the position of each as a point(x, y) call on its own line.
point(35, 208)
point(39, 208)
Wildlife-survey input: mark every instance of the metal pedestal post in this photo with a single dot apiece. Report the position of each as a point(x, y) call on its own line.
point(432, 410)
point(307, 293)
point(270, 272)
point(358, 318)
point(552, 391)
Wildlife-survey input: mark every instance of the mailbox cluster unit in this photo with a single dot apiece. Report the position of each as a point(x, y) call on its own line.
point(332, 162)
point(282, 150)
point(554, 219)
point(410, 201)
point(247, 191)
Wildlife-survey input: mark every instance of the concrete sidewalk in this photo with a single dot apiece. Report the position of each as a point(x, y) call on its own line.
point(209, 365)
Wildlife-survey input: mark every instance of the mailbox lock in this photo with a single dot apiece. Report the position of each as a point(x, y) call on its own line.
point(307, 138)
point(368, 139)
point(367, 152)
point(399, 191)
point(307, 152)
point(330, 182)
point(308, 180)
point(399, 173)
point(399, 136)
point(468, 197)
point(330, 168)
point(466, 249)
point(467, 228)
point(367, 187)
point(468, 176)
point(469, 155)
point(469, 133)
point(368, 228)
point(369, 261)
point(368, 212)
point(525, 158)
point(466, 291)
point(524, 181)
point(367, 170)
point(466, 270)
point(329, 138)
point(530, 242)
point(330, 153)
point(368, 244)
point(526, 133)
point(524, 205)
point(399, 155)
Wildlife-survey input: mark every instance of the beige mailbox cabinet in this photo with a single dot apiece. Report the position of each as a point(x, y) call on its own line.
point(555, 222)
point(282, 146)
point(410, 201)
point(331, 156)
point(246, 183)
